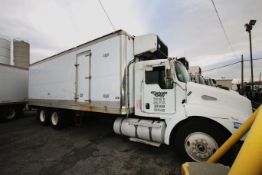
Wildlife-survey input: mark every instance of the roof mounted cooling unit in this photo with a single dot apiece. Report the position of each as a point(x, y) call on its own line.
point(150, 47)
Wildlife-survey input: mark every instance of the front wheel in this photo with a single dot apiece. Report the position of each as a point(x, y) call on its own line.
point(197, 140)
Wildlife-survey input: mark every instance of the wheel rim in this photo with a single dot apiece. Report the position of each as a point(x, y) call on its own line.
point(42, 116)
point(200, 146)
point(54, 118)
point(10, 114)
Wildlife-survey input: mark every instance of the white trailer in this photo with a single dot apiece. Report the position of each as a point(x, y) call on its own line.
point(153, 99)
point(13, 91)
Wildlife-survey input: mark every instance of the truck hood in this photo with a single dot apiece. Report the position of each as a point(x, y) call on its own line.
point(216, 102)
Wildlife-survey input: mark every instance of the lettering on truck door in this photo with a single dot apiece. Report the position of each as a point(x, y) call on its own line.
point(158, 95)
point(83, 77)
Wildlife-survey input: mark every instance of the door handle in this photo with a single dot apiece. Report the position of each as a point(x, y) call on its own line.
point(147, 106)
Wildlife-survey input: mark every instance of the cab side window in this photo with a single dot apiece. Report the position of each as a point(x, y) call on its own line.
point(157, 76)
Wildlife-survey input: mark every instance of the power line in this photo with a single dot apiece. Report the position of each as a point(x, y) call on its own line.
point(230, 64)
point(106, 15)
point(223, 28)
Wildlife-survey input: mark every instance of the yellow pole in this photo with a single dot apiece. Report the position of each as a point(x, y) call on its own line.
point(249, 159)
point(185, 170)
point(233, 139)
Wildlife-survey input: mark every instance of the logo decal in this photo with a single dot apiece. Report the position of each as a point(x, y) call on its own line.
point(158, 94)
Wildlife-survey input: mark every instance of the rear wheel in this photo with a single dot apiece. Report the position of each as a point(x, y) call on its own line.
point(10, 113)
point(197, 140)
point(44, 117)
point(58, 119)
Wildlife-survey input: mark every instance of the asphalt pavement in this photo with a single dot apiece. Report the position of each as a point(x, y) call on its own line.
point(93, 148)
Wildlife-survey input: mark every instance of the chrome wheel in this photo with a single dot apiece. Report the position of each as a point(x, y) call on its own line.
point(54, 118)
point(200, 146)
point(42, 116)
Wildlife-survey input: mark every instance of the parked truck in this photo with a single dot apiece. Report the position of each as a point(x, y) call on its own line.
point(150, 94)
point(13, 91)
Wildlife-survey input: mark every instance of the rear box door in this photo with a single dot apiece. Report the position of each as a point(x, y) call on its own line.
point(83, 77)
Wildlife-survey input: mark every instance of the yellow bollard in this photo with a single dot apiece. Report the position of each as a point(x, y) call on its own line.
point(185, 170)
point(234, 138)
point(249, 159)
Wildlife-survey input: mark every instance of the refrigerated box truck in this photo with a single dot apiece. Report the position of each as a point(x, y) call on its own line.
point(150, 94)
point(13, 91)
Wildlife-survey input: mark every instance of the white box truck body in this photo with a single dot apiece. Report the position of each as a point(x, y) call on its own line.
point(90, 76)
point(13, 90)
point(151, 94)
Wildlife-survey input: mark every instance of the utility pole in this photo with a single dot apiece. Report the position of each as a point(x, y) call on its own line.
point(251, 61)
point(249, 27)
point(242, 72)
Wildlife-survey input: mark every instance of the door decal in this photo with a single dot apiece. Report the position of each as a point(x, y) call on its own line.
point(159, 101)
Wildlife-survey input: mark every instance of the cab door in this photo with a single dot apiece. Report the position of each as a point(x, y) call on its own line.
point(158, 94)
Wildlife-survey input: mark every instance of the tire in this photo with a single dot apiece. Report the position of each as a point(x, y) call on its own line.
point(43, 116)
point(58, 119)
point(10, 113)
point(198, 139)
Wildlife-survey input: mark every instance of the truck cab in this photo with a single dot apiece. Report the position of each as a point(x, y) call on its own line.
point(172, 110)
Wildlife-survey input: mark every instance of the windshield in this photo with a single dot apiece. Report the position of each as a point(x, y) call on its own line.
point(181, 73)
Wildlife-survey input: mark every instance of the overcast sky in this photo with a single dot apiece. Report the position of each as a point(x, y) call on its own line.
point(190, 28)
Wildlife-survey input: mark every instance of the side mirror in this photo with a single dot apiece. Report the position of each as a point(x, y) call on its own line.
point(169, 83)
point(168, 74)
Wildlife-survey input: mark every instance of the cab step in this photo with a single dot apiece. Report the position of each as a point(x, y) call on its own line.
point(145, 141)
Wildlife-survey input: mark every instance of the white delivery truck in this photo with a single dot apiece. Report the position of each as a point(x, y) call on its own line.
point(13, 91)
point(150, 94)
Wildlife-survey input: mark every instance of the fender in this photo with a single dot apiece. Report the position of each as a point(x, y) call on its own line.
point(171, 123)
point(221, 114)
point(223, 117)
